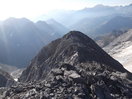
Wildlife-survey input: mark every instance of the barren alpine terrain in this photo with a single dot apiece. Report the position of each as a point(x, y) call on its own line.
point(121, 49)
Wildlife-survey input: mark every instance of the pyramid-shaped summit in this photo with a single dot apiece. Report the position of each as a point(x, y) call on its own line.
point(73, 48)
point(74, 67)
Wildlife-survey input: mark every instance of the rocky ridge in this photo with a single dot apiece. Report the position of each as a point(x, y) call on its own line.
point(73, 48)
point(73, 67)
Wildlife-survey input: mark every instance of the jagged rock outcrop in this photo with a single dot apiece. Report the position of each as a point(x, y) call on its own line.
point(73, 67)
point(69, 82)
point(5, 79)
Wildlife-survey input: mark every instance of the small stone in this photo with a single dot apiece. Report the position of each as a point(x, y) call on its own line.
point(68, 67)
point(76, 97)
point(57, 72)
point(51, 94)
point(47, 85)
point(19, 89)
point(31, 93)
point(74, 75)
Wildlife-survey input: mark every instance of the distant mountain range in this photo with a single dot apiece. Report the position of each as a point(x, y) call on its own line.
point(71, 17)
point(21, 39)
point(96, 21)
point(116, 23)
point(104, 25)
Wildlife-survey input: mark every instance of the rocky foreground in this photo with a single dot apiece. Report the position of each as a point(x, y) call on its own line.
point(73, 67)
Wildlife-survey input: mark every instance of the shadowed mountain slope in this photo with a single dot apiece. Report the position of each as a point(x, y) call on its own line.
point(21, 39)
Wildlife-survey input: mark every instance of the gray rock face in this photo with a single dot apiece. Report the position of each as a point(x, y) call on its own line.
point(120, 49)
point(73, 48)
point(5, 79)
point(73, 67)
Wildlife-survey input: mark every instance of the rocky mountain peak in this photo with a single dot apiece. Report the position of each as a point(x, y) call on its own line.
point(73, 67)
point(77, 37)
point(75, 34)
point(73, 48)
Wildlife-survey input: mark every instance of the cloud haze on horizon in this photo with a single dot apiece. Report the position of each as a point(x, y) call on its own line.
point(33, 8)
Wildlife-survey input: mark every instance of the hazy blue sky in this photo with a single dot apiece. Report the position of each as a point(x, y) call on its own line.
point(33, 8)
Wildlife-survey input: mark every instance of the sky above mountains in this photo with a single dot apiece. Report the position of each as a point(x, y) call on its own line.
point(33, 8)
